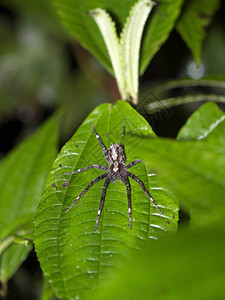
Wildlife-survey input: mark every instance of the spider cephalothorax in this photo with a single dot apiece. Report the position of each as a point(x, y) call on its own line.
point(117, 162)
point(117, 169)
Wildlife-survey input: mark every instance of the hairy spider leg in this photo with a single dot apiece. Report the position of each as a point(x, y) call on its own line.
point(87, 188)
point(133, 163)
point(104, 188)
point(127, 184)
point(104, 149)
point(135, 178)
point(96, 166)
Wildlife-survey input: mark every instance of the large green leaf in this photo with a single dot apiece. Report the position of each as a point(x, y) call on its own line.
point(74, 257)
point(195, 17)
point(22, 176)
point(190, 265)
point(74, 15)
point(194, 170)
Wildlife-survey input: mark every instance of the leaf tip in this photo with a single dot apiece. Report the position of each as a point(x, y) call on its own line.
point(94, 12)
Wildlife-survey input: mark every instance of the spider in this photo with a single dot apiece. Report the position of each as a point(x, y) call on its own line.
point(117, 170)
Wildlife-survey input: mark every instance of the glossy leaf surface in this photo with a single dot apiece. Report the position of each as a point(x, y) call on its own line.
point(22, 176)
point(74, 257)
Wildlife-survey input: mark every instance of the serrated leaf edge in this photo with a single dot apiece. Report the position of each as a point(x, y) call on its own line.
point(108, 30)
point(130, 41)
point(124, 51)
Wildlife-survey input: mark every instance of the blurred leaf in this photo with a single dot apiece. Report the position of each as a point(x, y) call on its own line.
point(41, 12)
point(202, 122)
point(195, 17)
point(190, 265)
point(32, 71)
point(194, 170)
point(214, 48)
point(34, 75)
point(22, 176)
point(81, 25)
point(74, 257)
point(175, 101)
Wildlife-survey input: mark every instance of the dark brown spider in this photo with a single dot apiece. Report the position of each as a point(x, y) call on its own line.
point(117, 169)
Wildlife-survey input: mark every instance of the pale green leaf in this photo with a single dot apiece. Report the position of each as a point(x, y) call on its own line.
point(131, 42)
point(124, 51)
point(108, 31)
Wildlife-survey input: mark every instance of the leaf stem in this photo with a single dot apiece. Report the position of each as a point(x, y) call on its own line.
point(175, 101)
point(173, 84)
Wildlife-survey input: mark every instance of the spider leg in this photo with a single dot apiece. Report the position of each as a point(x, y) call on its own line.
point(87, 168)
point(86, 189)
point(104, 188)
point(135, 178)
point(127, 184)
point(104, 149)
point(133, 163)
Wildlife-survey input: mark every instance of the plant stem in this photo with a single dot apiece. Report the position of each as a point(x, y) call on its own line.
point(175, 101)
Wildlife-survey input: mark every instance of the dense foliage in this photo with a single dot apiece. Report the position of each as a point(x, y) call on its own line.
point(164, 256)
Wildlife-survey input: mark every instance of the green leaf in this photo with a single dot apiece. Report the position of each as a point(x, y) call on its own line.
point(74, 257)
point(202, 122)
point(22, 176)
point(190, 265)
point(158, 29)
point(195, 17)
point(81, 25)
point(194, 170)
